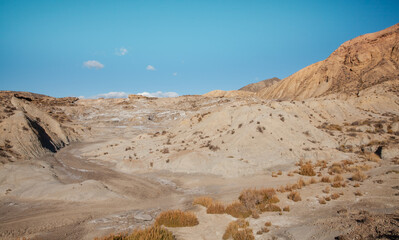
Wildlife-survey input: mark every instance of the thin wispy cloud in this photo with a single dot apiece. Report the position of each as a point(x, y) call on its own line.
point(111, 95)
point(159, 94)
point(174, 74)
point(150, 68)
point(93, 64)
point(121, 51)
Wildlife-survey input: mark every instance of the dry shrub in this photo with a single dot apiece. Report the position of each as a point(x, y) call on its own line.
point(338, 178)
point(268, 224)
point(327, 198)
point(286, 209)
point(326, 190)
point(238, 210)
point(358, 193)
point(280, 173)
point(274, 174)
point(336, 168)
point(281, 189)
point(154, 232)
point(312, 181)
point(255, 214)
point(204, 201)
point(270, 208)
point(251, 198)
point(294, 196)
point(306, 169)
point(238, 230)
point(370, 156)
point(358, 176)
point(356, 185)
point(301, 183)
point(176, 218)
point(334, 196)
point(322, 201)
point(325, 179)
point(290, 174)
point(336, 184)
point(215, 208)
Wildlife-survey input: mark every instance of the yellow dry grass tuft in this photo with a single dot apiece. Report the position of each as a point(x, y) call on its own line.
point(238, 230)
point(294, 196)
point(216, 208)
point(204, 201)
point(154, 232)
point(286, 209)
point(306, 169)
point(358, 176)
point(176, 218)
point(237, 210)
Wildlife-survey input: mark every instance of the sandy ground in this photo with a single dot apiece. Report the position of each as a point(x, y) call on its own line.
point(81, 193)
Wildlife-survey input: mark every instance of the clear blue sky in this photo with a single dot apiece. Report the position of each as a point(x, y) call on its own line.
point(194, 46)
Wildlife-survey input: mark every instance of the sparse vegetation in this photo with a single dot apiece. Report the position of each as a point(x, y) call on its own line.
point(358, 176)
point(237, 210)
point(294, 196)
point(215, 208)
point(176, 218)
point(204, 201)
point(306, 169)
point(238, 230)
point(154, 232)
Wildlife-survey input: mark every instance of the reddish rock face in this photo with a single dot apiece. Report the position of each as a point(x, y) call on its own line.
point(357, 64)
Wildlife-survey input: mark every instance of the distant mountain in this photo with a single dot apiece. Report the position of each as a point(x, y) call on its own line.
point(356, 65)
point(256, 87)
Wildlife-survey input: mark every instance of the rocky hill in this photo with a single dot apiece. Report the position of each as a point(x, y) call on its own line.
point(34, 124)
point(356, 65)
point(256, 87)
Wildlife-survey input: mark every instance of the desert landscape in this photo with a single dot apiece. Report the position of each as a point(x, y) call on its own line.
point(311, 156)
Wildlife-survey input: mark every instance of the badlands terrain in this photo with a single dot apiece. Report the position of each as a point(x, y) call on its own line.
point(311, 156)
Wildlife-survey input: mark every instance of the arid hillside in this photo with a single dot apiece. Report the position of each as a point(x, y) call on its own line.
point(313, 156)
point(34, 124)
point(356, 65)
point(256, 87)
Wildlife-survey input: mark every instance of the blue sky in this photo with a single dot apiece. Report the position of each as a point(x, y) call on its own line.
point(188, 47)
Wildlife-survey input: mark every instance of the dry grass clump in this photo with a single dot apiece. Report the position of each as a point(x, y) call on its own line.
point(204, 201)
point(336, 184)
point(358, 193)
point(294, 196)
point(372, 157)
point(334, 196)
point(358, 176)
point(336, 168)
point(356, 185)
point(270, 208)
point(322, 201)
point(306, 169)
point(238, 230)
point(215, 208)
point(251, 198)
point(325, 179)
point(312, 181)
point(176, 218)
point(338, 178)
point(326, 190)
point(286, 208)
point(301, 183)
point(268, 224)
point(238, 210)
point(154, 232)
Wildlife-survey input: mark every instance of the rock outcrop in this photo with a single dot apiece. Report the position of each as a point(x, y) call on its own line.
point(356, 65)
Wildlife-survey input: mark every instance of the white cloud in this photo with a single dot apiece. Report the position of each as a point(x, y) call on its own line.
point(159, 94)
point(121, 51)
point(111, 95)
point(93, 64)
point(174, 74)
point(150, 68)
